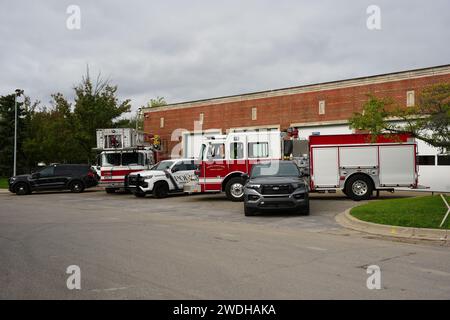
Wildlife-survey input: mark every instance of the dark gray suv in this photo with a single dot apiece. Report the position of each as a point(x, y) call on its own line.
point(275, 185)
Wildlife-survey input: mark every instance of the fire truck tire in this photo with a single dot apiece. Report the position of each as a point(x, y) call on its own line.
point(110, 190)
point(21, 189)
point(160, 190)
point(234, 189)
point(249, 211)
point(76, 186)
point(359, 187)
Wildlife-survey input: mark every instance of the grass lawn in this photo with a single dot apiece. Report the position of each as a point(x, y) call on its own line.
point(3, 183)
point(420, 212)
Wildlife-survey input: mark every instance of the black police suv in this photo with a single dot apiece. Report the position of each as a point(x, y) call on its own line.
point(73, 177)
point(275, 185)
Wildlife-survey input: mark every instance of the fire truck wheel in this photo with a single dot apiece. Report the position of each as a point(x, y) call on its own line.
point(235, 189)
point(76, 186)
point(21, 189)
point(359, 187)
point(110, 190)
point(160, 190)
point(249, 211)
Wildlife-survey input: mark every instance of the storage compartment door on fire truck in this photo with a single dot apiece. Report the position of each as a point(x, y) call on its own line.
point(325, 167)
point(397, 165)
point(215, 167)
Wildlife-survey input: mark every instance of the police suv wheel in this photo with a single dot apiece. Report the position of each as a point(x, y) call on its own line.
point(76, 186)
point(21, 189)
point(161, 190)
point(234, 189)
point(249, 211)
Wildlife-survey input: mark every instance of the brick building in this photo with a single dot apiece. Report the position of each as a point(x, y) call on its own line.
point(322, 108)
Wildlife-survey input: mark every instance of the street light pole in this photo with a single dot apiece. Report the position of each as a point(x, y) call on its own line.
point(17, 93)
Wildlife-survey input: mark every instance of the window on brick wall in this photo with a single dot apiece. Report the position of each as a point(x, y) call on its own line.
point(254, 113)
point(201, 118)
point(322, 107)
point(410, 98)
point(161, 122)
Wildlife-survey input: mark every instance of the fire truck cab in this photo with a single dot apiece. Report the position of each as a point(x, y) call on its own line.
point(121, 152)
point(225, 158)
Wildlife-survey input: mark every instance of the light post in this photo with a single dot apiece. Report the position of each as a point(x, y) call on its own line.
point(17, 93)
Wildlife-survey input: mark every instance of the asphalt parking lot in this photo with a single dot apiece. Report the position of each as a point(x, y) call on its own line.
point(201, 247)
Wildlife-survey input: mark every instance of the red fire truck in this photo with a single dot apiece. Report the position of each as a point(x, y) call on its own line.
point(121, 151)
point(353, 163)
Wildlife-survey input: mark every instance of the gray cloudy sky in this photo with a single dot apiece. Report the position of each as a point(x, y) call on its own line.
point(186, 50)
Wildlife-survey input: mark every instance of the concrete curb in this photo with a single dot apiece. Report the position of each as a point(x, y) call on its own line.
point(346, 220)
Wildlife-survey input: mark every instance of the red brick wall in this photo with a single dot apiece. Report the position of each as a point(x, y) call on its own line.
point(282, 110)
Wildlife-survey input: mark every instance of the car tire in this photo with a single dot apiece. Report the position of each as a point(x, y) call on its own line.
point(160, 190)
point(139, 194)
point(249, 211)
point(304, 210)
point(359, 187)
point(110, 190)
point(76, 186)
point(21, 189)
point(234, 189)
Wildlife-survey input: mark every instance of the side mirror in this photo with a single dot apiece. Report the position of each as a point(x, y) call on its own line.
point(245, 176)
point(35, 175)
point(175, 170)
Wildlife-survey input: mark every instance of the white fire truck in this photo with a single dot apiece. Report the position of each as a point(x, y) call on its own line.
point(352, 163)
point(122, 151)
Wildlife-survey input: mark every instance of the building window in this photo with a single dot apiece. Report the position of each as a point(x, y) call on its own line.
point(201, 118)
point(443, 160)
point(426, 160)
point(322, 107)
point(161, 122)
point(410, 98)
point(254, 113)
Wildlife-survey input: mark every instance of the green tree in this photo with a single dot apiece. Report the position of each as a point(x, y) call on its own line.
point(7, 113)
point(428, 120)
point(157, 102)
point(96, 106)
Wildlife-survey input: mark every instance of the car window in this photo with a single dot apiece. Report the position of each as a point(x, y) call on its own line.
point(163, 165)
point(47, 171)
point(190, 165)
point(216, 151)
point(63, 171)
point(179, 166)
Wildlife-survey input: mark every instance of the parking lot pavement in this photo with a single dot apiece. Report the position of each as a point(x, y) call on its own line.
point(201, 246)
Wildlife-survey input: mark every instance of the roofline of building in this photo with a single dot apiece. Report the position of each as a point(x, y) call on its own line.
point(345, 83)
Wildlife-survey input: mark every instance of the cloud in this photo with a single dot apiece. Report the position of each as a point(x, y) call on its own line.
point(187, 50)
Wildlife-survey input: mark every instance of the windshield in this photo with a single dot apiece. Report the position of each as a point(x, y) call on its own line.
point(163, 165)
point(275, 169)
point(124, 159)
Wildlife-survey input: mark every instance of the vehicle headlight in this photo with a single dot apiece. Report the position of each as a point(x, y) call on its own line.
point(146, 177)
point(253, 186)
point(12, 179)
